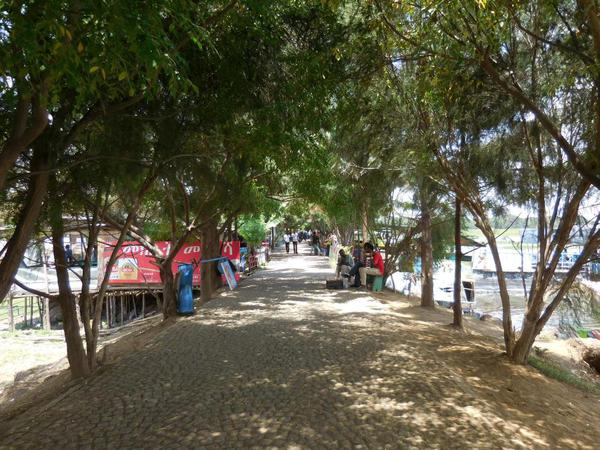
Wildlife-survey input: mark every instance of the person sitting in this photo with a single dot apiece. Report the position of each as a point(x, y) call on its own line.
point(359, 261)
point(377, 264)
point(343, 264)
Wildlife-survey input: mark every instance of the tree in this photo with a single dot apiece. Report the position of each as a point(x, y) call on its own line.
point(55, 60)
point(253, 231)
point(529, 52)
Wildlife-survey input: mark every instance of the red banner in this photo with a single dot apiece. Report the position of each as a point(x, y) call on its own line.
point(136, 265)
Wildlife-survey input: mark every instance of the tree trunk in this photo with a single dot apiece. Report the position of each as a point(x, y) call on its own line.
point(124, 229)
point(364, 219)
point(169, 290)
point(426, 252)
point(75, 351)
point(509, 334)
point(534, 321)
point(17, 244)
point(21, 136)
point(46, 315)
point(85, 298)
point(210, 242)
point(215, 251)
point(523, 345)
point(205, 279)
point(457, 306)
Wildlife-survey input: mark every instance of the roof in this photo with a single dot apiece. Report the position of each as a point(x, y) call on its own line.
point(468, 242)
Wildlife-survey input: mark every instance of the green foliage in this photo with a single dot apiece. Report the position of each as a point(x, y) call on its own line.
point(253, 230)
point(101, 50)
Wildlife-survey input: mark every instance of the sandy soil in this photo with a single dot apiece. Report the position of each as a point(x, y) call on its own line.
point(26, 350)
point(476, 356)
point(34, 366)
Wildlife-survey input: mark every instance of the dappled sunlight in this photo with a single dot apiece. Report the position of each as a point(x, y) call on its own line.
point(288, 364)
point(364, 305)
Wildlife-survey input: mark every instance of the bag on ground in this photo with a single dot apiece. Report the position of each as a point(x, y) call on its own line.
point(334, 284)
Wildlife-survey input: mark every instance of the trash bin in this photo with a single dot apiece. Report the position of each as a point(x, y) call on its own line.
point(185, 296)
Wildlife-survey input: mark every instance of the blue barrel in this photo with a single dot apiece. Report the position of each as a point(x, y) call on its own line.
point(185, 296)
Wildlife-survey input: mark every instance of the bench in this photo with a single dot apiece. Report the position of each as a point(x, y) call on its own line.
point(376, 281)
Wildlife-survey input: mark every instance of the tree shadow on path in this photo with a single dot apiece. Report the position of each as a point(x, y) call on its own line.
point(284, 363)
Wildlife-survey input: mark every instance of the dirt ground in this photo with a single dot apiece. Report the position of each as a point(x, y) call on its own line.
point(27, 350)
point(476, 356)
point(34, 366)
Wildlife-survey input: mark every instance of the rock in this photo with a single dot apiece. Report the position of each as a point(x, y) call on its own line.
point(592, 357)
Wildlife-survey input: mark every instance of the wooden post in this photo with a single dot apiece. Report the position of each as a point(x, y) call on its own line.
point(121, 310)
point(113, 308)
point(109, 311)
point(40, 311)
point(143, 305)
point(46, 310)
point(101, 306)
point(11, 318)
point(31, 312)
point(25, 312)
point(134, 307)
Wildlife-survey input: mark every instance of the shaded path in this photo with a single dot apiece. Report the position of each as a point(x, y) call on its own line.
point(282, 363)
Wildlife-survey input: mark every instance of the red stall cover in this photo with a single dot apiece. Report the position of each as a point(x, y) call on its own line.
point(136, 265)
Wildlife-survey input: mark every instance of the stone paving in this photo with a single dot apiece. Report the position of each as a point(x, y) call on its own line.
point(278, 363)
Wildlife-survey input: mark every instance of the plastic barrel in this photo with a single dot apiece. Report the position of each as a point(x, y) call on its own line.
point(185, 297)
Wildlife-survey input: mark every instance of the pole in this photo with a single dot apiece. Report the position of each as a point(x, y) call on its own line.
point(25, 312)
point(456, 306)
point(11, 318)
point(46, 322)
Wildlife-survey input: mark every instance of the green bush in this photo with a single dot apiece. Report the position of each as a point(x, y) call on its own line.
point(254, 231)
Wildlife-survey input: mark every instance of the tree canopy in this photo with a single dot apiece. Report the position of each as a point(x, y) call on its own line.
point(173, 119)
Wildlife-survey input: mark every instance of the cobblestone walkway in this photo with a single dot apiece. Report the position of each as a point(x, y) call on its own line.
point(279, 363)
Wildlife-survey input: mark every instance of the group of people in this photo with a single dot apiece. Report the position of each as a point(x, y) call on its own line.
point(292, 237)
point(319, 245)
point(364, 260)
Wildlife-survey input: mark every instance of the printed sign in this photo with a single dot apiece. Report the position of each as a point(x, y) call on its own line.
point(126, 269)
point(136, 265)
point(228, 273)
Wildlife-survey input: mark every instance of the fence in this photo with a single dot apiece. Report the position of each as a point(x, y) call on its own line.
point(26, 311)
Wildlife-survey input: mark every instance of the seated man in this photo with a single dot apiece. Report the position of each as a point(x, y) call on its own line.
point(343, 264)
point(359, 261)
point(377, 268)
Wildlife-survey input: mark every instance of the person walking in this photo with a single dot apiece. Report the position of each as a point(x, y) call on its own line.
point(315, 243)
point(69, 255)
point(286, 239)
point(295, 242)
